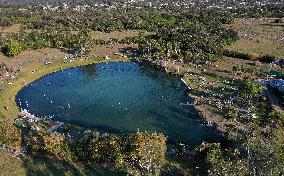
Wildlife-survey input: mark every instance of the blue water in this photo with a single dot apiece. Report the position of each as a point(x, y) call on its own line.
point(117, 97)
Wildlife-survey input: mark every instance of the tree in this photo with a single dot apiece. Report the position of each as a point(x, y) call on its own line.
point(148, 152)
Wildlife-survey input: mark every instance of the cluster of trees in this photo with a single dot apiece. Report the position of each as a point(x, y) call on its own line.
point(115, 17)
point(141, 153)
point(186, 37)
point(177, 34)
point(76, 43)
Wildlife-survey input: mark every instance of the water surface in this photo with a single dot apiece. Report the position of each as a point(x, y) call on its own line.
point(117, 97)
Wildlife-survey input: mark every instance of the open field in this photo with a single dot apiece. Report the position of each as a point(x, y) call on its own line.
point(259, 37)
point(14, 28)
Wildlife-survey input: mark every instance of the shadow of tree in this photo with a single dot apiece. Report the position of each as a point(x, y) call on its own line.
point(49, 166)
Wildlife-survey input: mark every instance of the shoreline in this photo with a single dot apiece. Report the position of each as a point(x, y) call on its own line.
point(9, 108)
point(204, 113)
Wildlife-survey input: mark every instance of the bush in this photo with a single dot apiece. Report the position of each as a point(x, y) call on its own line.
point(250, 88)
point(11, 48)
point(277, 116)
point(5, 21)
point(266, 58)
point(2, 66)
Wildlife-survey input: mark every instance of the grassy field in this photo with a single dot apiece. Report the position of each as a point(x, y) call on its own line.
point(259, 37)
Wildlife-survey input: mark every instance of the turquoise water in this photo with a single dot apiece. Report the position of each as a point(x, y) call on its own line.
point(117, 97)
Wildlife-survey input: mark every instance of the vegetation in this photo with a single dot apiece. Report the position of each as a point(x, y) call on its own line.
point(250, 89)
point(9, 135)
point(187, 38)
point(194, 40)
point(11, 48)
point(257, 155)
point(141, 153)
point(267, 58)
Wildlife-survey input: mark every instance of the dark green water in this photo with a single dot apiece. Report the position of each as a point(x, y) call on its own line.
point(117, 97)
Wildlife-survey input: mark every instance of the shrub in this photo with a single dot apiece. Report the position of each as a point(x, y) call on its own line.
point(2, 66)
point(250, 88)
point(266, 58)
point(5, 21)
point(277, 116)
point(11, 48)
point(57, 144)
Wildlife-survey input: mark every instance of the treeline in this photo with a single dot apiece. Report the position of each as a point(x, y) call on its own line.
point(268, 11)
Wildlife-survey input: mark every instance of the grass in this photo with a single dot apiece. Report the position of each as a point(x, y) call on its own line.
point(257, 48)
point(266, 37)
point(10, 165)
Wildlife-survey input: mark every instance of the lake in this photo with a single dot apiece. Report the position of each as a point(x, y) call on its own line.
point(118, 97)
